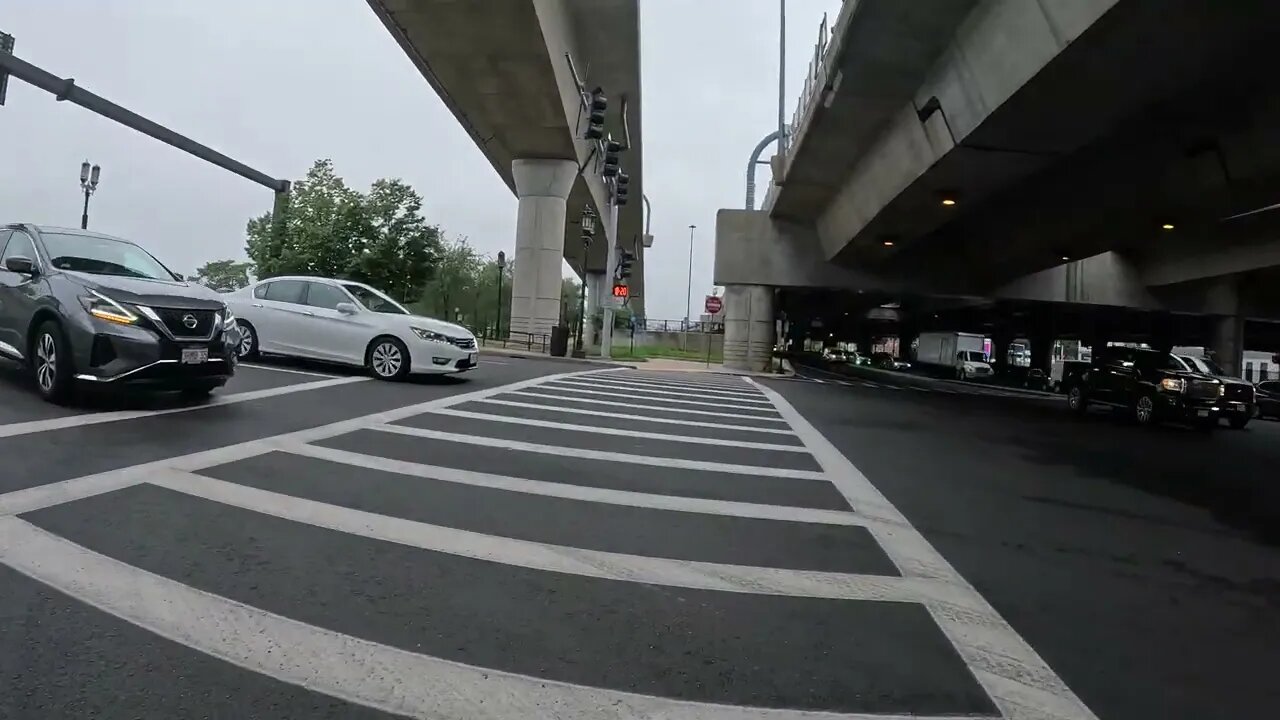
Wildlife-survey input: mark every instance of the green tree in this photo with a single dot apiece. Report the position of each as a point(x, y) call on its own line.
point(331, 230)
point(224, 275)
point(399, 251)
point(324, 229)
point(452, 289)
point(569, 300)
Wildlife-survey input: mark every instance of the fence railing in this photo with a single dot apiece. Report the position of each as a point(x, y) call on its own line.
point(815, 79)
point(539, 342)
point(693, 326)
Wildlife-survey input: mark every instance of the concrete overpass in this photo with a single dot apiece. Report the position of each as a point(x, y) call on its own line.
point(506, 68)
point(1088, 151)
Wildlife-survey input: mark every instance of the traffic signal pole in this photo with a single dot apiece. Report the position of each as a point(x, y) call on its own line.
point(611, 264)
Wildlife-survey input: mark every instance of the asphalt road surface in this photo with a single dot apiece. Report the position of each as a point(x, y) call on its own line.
point(556, 540)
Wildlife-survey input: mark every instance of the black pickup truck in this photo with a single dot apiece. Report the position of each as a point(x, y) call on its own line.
point(1239, 399)
point(1150, 385)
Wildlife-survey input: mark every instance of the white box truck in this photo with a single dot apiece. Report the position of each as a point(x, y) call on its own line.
point(958, 354)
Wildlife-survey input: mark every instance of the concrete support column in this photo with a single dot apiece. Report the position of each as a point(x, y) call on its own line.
point(542, 187)
point(908, 331)
point(1001, 339)
point(1042, 349)
point(1163, 333)
point(863, 338)
point(1228, 328)
point(748, 327)
point(1228, 343)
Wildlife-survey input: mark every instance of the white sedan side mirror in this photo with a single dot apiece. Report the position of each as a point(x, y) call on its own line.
point(347, 308)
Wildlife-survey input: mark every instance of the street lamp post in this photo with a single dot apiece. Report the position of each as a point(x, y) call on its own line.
point(588, 230)
point(502, 263)
point(688, 292)
point(88, 183)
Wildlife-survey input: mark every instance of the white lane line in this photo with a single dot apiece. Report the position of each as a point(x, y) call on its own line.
point(573, 452)
point(74, 421)
point(695, 440)
point(581, 388)
point(1019, 681)
point(628, 416)
point(640, 406)
point(653, 387)
point(292, 371)
point(40, 496)
point(30, 499)
point(332, 663)
point(741, 388)
point(545, 556)
point(629, 498)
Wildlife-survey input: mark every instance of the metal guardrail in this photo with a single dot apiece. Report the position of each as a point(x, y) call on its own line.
point(540, 342)
point(693, 326)
point(815, 79)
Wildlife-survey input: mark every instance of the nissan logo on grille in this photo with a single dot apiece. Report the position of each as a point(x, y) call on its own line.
point(190, 321)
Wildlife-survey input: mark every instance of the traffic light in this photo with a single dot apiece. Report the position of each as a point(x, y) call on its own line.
point(621, 187)
point(624, 264)
point(611, 150)
point(596, 106)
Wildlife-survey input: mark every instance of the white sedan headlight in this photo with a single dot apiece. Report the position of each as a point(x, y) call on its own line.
point(429, 335)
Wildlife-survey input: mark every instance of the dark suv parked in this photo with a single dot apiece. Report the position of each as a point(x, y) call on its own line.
point(1151, 386)
point(83, 307)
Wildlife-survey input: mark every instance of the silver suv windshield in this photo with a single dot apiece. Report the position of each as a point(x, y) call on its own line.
point(98, 255)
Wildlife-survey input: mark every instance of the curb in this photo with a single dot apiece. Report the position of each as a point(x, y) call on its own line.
point(554, 359)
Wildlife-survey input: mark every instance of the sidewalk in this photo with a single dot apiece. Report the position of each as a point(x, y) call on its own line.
point(519, 352)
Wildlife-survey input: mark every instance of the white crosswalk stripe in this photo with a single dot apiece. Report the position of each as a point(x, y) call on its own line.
point(713, 451)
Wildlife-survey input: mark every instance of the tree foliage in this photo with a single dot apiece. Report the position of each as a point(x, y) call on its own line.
point(331, 230)
point(465, 288)
point(224, 275)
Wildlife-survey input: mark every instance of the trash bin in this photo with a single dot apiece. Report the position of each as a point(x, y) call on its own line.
point(560, 340)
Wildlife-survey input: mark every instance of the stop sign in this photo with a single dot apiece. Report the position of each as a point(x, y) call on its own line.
point(713, 305)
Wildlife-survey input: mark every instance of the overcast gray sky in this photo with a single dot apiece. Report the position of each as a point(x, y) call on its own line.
point(279, 83)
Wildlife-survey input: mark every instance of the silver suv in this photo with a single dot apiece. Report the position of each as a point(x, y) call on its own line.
point(82, 307)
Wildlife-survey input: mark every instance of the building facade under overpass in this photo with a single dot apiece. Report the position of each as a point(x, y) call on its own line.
point(1095, 154)
point(513, 72)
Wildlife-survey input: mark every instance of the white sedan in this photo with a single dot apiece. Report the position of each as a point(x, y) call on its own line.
point(347, 322)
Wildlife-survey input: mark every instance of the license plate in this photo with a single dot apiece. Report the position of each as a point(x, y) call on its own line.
point(472, 358)
point(1202, 413)
point(195, 356)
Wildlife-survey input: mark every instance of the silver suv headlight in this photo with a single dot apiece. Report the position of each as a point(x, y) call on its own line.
point(104, 308)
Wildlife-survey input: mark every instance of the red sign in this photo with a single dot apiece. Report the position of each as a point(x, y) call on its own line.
point(713, 305)
point(620, 291)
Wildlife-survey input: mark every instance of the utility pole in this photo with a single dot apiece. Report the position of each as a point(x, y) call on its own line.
point(782, 75)
point(588, 223)
point(688, 292)
point(89, 184)
point(502, 263)
point(689, 287)
point(606, 327)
